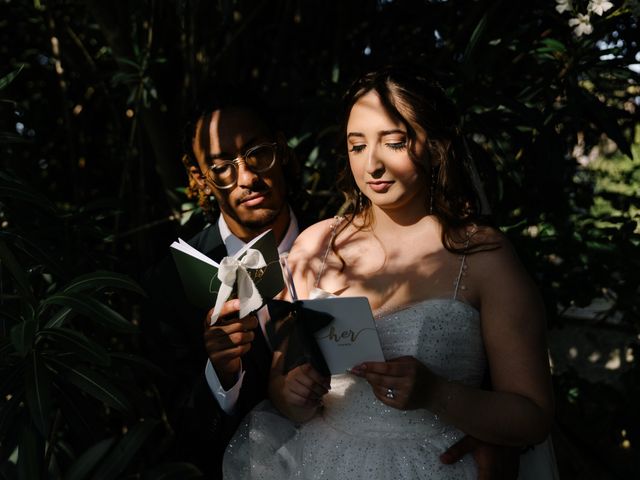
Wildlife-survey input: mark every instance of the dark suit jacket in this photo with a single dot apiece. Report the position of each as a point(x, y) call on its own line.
point(172, 333)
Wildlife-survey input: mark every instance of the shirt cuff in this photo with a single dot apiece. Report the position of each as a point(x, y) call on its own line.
point(227, 399)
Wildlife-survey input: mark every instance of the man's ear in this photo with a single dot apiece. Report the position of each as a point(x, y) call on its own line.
point(195, 174)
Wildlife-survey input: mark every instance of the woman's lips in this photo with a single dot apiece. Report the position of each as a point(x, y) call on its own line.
point(380, 186)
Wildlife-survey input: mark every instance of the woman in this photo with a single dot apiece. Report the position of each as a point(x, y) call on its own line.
point(451, 301)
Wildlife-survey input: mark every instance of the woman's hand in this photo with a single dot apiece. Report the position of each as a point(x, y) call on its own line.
point(305, 387)
point(402, 382)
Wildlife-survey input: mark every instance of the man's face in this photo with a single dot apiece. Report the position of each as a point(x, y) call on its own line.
point(257, 199)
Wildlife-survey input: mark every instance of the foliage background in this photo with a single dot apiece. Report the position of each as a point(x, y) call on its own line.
point(91, 181)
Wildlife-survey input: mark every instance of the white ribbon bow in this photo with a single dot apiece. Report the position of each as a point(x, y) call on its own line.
point(232, 269)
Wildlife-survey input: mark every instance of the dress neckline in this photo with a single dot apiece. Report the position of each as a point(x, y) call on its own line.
point(382, 313)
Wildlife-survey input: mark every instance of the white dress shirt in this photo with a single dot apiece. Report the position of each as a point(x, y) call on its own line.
point(227, 398)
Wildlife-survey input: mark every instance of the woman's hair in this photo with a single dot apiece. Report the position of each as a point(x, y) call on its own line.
point(417, 101)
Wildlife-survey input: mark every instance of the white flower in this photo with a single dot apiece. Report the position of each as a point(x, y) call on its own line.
point(599, 6)
point(581, 24)
point(563, 5)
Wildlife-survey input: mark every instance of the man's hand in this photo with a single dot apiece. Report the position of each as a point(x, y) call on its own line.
point(227, 340)
point(494, 462)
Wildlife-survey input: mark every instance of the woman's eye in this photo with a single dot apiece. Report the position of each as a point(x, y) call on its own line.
point(397, 145)
point(357, 148)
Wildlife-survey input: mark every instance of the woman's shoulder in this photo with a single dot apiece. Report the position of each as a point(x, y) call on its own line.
point(316, 236)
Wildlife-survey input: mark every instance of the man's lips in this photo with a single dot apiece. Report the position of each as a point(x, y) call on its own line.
point(380, 186)
point(253, 199)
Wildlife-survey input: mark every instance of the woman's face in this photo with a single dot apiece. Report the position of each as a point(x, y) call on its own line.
point(379, 157)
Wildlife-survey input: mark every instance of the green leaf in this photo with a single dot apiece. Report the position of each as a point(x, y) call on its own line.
point(122, 454)
point(7, 79)
point(475, 37)
point(58, 318)
point(19, 274)
point(93, 309)
point(100, 279)
point(22, 336)
point(9, 417)
point(37, 386)
point(75, 342)
point(95, 384)
point(10, 188)
point(85, 463)
point(31, 454)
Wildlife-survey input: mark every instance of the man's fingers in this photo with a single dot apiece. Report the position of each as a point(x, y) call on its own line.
point(230, 353)
point(249, 322)
point(230, 307)
point(455, 452)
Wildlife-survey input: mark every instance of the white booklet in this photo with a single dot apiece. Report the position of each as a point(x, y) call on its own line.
point(351, 338)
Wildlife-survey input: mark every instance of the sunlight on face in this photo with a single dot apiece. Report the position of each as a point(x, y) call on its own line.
point(379, 157)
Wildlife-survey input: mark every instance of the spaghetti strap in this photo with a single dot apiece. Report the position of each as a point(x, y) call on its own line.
point(334, 226)
point(463, 267)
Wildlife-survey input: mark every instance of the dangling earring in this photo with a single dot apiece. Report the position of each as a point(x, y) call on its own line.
point(432, 189)
point(359, 201)
point(207, 190)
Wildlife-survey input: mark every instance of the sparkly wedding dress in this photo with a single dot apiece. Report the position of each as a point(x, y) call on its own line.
point(355, 436)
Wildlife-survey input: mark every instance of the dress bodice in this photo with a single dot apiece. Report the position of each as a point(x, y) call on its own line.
point(443, 334)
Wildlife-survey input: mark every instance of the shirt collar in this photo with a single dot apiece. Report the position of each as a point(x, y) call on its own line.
point(233, 244)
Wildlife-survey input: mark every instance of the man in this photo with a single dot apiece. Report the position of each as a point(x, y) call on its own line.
point(239, 161)
point(216, 374)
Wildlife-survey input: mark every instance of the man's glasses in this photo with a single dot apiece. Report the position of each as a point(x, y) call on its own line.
point(223, 173)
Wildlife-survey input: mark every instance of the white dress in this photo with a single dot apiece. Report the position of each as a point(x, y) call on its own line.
point(355, 436)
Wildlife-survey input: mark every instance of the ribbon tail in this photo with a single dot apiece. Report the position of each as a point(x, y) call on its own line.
point(250, 298)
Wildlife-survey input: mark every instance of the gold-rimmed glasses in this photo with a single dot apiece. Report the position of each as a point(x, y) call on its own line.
point(223, 172)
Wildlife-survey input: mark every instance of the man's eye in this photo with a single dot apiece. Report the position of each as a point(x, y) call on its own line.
point(357, 148)
point(220, 168)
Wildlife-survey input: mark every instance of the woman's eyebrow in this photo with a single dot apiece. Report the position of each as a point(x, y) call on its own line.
point(381, 133)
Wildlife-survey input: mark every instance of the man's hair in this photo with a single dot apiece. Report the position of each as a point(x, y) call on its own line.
point(235, 97)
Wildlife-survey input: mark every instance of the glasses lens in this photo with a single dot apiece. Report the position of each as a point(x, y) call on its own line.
point(261, 158)
point(222, 174)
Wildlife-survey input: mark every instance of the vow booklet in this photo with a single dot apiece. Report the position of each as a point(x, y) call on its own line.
point(351, 337)
point(199, 273)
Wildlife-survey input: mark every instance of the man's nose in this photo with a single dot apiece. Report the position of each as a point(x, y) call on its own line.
point(246, 178)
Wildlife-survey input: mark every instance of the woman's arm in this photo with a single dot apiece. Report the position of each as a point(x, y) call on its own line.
point(519, 409)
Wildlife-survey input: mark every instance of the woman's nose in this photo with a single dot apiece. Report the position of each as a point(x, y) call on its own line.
point(375, 165)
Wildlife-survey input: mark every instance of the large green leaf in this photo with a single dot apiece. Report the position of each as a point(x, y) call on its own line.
point(74, 342)
point(93, 309)
point(122, 454)
point(22, 336)
point(94, 384)
point(100, 279)
point(85, 463)
point(37, 392)
point(59, 318)
point(19, 274)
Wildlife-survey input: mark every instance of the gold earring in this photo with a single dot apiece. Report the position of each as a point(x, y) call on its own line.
point(207, 190)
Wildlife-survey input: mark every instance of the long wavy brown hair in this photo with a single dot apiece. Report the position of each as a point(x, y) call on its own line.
point(415, 100)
